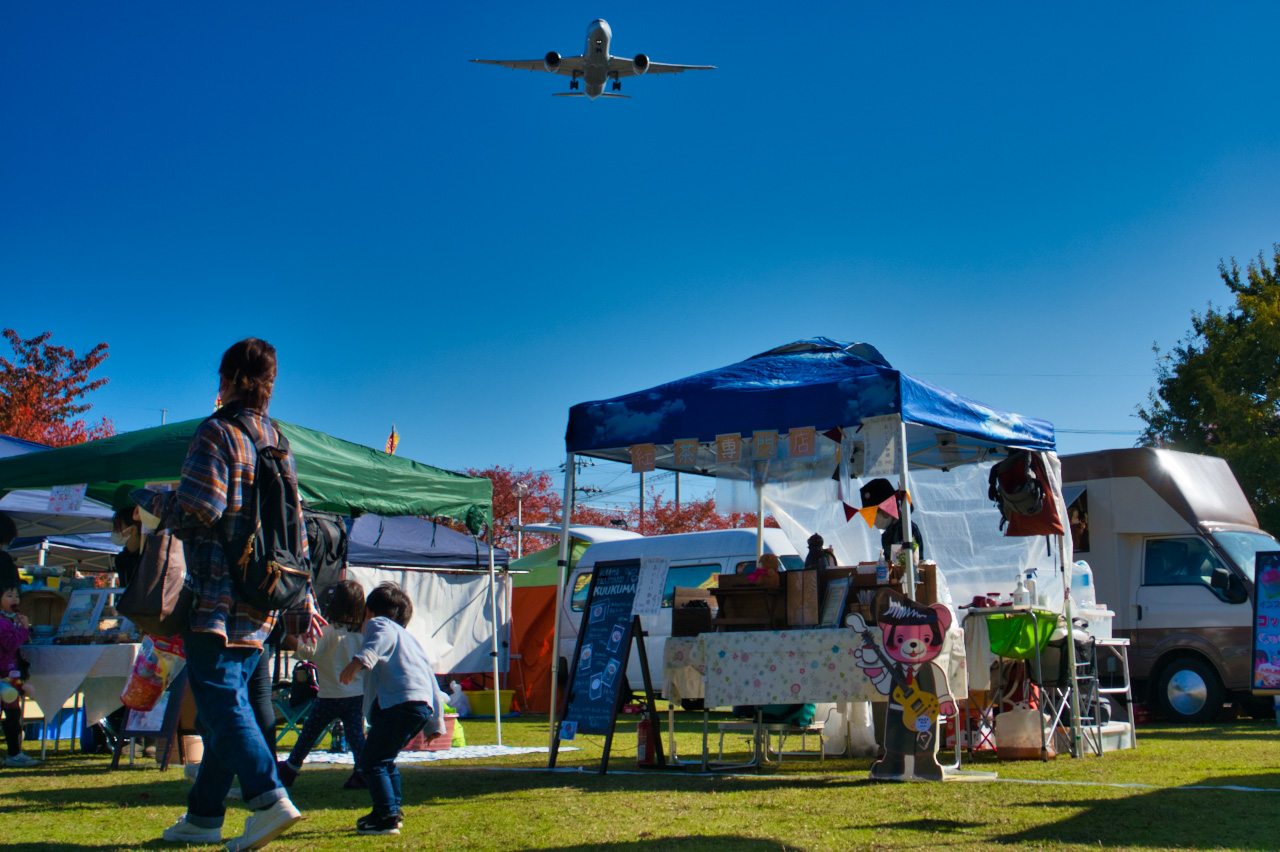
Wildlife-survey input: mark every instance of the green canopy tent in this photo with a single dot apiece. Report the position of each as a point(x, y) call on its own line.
point(333, 476)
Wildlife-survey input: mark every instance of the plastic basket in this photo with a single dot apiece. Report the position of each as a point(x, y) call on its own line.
point(1018, 636)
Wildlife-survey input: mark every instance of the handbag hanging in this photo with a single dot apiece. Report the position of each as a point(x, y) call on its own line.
point(157, 599)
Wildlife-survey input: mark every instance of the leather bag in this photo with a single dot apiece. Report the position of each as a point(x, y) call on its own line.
point(157, 599)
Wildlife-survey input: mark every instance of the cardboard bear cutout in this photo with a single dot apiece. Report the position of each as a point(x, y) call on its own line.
point(902, 667)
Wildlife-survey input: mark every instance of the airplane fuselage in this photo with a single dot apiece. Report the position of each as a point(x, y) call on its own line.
point(595, 59)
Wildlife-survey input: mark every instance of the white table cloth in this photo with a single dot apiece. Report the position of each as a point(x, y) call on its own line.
point(100, 672)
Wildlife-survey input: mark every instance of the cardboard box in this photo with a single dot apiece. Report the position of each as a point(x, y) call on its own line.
point(802, 598)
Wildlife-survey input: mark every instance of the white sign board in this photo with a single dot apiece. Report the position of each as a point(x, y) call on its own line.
point(881, 435)
point(652, 583)
point(66, 498)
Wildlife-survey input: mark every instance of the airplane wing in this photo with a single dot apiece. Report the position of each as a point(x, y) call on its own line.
point(624, 67)
point(568, 65)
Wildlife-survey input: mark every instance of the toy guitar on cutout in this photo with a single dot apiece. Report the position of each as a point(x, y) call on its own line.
point(920, 709)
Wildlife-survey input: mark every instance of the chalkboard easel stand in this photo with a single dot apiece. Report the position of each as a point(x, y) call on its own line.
point(651, 707)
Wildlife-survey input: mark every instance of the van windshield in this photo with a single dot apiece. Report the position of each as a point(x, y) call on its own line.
point(1244, 547)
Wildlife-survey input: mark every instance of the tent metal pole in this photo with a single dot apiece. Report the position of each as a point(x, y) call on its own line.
point(904, 507)
point(562, 576)
point(1077, 749)
point(493, 605)
point(759, 483)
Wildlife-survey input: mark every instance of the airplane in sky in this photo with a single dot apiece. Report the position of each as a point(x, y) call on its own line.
point(595, 66)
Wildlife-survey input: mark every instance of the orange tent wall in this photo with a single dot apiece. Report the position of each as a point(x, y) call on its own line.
point(532, 632)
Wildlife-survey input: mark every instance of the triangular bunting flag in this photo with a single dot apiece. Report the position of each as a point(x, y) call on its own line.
point(869, 515)
point(890, 506)
point(849, 512)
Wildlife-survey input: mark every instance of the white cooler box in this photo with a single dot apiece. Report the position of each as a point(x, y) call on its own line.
point(1099, 620)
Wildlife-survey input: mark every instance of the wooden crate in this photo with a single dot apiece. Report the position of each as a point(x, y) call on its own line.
point(802, 598)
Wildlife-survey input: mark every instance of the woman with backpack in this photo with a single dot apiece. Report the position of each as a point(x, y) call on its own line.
point(213, 512)
point(339, 641)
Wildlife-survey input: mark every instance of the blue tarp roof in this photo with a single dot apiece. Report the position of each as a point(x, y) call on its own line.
point(816, 382)
point(411, 542)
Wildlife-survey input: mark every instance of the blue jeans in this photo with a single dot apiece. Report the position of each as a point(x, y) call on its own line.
point(389, 731)
point(234, 745)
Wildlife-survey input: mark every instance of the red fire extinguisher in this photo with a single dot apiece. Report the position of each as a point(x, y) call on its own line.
point(646, 754)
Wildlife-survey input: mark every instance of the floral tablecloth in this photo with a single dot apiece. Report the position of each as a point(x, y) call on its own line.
point(767, 667)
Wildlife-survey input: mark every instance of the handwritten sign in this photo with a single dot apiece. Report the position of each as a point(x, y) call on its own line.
point(1265, 678)
point(66, 498)
point(597, 672)
point(881, 436)
point(652, 584)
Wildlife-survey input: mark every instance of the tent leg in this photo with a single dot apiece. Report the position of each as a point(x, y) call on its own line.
point(493, 604)
point(904, 508)
point(562, 577)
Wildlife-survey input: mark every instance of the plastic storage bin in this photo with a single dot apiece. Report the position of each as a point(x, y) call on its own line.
point(482, 701)
point(1017, 636)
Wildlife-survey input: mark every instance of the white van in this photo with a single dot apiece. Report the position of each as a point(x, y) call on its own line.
point(696, 559)
point(1171, 540)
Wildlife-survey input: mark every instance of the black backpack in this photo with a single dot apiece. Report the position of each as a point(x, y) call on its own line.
point(327, 544)
point(1014, 486)
point(269, 571)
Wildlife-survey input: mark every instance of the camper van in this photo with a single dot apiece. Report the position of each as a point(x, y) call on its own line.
point(696, 560)
point(1171, 541)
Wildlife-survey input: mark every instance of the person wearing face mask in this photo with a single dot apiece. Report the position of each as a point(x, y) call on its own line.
point(126, 532)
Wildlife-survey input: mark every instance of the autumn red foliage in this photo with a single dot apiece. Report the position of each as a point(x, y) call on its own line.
point(542, 502)
point(42, 388)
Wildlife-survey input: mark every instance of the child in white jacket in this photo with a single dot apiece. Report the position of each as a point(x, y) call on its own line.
point(339, 641)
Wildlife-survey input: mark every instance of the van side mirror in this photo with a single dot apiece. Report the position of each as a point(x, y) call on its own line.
point(1229, 584)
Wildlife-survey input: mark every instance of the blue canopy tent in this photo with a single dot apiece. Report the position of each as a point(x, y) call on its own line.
point(811, 411)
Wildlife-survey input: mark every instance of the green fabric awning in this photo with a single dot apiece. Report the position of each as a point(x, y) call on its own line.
point(333, 475)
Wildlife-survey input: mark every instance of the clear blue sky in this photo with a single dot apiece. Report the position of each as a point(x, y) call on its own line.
point(1011, 200)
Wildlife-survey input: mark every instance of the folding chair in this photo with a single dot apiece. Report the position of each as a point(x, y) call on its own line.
point(288, 717)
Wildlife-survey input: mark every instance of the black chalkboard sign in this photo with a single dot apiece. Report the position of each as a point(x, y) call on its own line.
point(598, 684)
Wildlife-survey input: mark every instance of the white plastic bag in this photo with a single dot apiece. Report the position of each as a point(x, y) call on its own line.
point(458, 699)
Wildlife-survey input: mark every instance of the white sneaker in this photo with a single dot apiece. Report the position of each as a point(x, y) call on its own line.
point(184, 832)
point(265, 825)
point(20, 761)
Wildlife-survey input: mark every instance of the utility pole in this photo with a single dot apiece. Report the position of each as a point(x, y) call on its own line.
point(641, 530)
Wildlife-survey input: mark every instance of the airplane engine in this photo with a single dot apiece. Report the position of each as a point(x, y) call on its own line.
point(552, 61)
point(642, 63)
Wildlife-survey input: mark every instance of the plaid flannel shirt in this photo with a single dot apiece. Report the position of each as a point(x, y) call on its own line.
point(217, 478)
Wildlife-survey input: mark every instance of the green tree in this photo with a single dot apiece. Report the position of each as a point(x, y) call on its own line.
point(1218, 390)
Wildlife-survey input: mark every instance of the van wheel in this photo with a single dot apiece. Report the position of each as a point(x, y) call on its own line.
point(1189, 691)
point(562, 675)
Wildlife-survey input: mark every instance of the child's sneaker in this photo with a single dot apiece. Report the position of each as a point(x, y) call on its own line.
point(20, 761)
point(355, 782)
point(374, 824)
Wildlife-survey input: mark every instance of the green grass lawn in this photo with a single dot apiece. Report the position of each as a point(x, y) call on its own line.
point(74, 802)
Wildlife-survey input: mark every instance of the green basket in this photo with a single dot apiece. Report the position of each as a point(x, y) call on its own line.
point(1018, 636)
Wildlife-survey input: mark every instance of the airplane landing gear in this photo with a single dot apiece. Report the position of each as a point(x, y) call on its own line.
point(617, 85)
point(573, 83)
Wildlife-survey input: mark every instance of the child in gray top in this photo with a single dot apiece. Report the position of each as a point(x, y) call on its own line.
point(401, 698)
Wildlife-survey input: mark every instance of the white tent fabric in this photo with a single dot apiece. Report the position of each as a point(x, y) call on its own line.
point(960, 526)
point(451, 615)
